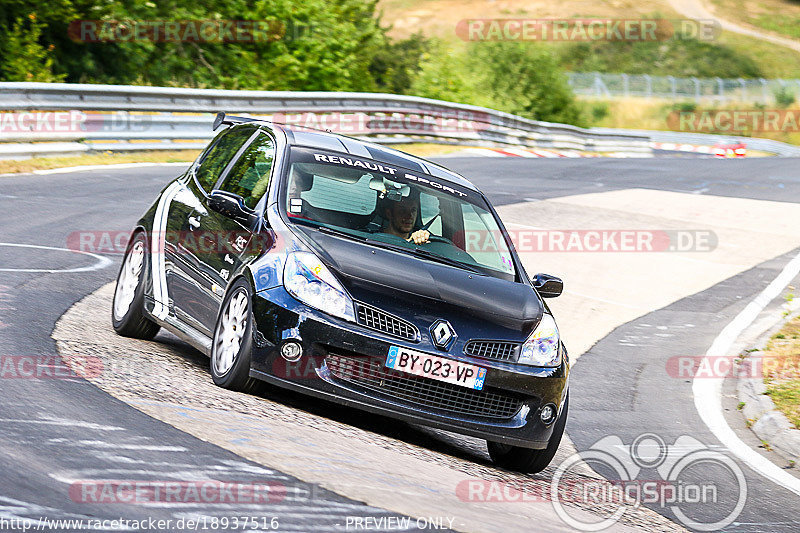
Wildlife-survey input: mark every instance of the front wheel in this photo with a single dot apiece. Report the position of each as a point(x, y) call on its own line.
point(233, 340)
point(526, 460)
point(127, 310)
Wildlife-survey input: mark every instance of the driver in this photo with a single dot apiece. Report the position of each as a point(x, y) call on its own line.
point(401, 217)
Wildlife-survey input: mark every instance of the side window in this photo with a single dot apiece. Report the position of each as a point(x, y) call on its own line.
point(429, 208)
point(220, 154)
point(249, 176)
point(484, 241)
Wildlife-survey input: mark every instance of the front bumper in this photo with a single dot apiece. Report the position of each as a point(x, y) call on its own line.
point(507, 410)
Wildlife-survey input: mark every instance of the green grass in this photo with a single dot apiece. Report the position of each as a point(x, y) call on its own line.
point(776, 16)
point(789, 26)
point(786, 396)
point(105, 158)
point(178, 156)
point(782, 370)
point(774, 61)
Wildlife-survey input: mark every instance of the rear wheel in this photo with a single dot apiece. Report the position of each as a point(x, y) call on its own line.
point(127, 310)
point(233, 340)
point(527, 460)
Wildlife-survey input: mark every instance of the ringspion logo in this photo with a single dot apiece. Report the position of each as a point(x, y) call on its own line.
point(703, 488)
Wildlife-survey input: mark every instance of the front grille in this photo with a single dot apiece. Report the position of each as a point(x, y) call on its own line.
point(378, 320)
point(371, 374)
point(500, 350)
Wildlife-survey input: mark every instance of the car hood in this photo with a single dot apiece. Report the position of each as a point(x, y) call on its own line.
point(376, 275)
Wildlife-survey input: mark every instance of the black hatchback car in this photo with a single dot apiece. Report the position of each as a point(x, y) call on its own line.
point(354, 273)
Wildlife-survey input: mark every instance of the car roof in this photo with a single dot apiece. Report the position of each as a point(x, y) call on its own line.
point(341, 143)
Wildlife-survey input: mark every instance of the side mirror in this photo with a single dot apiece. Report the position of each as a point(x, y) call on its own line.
point(232, 206)
point(548, 286)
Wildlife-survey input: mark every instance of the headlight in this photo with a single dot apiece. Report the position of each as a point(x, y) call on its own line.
point(542, 347)
point(308, 280)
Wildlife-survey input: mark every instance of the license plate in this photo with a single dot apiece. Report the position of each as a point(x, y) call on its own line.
point(438, 368)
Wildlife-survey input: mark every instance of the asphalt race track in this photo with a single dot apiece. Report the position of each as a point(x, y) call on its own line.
point(55, 433)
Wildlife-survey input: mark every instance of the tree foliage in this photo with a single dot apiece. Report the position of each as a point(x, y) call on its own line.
point(517, 77)
point(322, 45)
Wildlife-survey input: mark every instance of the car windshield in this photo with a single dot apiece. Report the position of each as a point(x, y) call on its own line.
point(383, 205)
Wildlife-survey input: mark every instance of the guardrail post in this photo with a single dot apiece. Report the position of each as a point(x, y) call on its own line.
point(673, 86)
point(649, 85)
point(696, 89)
point(626, 89)
point(600, 88)
point(721, 88)
point(764, 93)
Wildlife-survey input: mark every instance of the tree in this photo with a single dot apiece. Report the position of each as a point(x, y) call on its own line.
point(26, 59)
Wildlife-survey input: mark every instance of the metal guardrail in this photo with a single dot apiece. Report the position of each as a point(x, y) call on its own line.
point(115, 117)
point(705, 139)
point(720, 90)
point(118, 117)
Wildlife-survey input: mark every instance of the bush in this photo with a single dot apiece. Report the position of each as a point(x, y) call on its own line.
point(395, 65)
point(784, 97)
point(687, 106)
point(525, 79)
point(26, 59)
point(598, 111)
point(444, 74)
point(519, 78)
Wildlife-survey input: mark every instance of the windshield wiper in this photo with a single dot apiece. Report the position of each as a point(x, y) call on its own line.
point(426, 254)
point(340, 233)
point(418, 252)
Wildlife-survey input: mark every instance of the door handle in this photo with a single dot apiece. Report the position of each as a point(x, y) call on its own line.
point(194, 222)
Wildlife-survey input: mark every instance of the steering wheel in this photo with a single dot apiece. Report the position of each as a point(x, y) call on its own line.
point(436, 238)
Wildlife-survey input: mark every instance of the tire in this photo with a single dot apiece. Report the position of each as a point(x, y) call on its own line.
point(127, 308)
point(232, 343)
point(526, 460)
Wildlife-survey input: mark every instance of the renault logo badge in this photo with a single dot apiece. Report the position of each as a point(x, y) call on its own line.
point(442, 334)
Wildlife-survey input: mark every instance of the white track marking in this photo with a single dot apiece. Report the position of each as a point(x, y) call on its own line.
point(145, 447)
point(708, 392)
point(158, 270)
point(102, 262)
point(63, 422)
